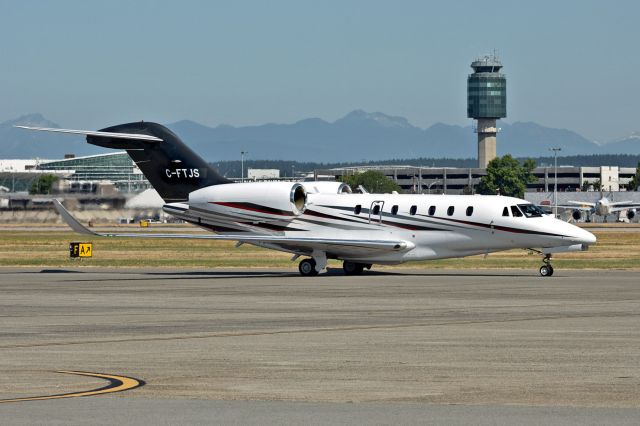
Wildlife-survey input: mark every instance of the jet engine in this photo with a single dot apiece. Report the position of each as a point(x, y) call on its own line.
point(631, 213)
point(577, 214)
point(279, 199)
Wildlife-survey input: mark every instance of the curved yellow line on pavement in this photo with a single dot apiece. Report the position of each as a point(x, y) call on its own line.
point(116, 384)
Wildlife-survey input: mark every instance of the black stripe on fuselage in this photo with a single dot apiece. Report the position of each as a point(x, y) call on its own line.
point(253, 207)
point(464, 222)
point(328, 216)
point(407, 226)
point(270, 210)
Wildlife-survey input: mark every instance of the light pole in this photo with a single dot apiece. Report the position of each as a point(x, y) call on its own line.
point(293, 171)
point(242, 153)
point(555, 180)
point(431, 184)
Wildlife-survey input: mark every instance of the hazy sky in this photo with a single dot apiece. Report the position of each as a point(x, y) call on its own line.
point(89, 64)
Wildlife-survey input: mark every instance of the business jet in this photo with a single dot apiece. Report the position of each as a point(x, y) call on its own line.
point(325, 220)
point(601, 207)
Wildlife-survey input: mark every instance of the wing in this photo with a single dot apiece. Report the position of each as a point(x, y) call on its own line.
point(571, 205)
point(135, 136)
point(578, 204)
point(293, 244)
point(624, 205)
point(564, 207)
point(576, 207)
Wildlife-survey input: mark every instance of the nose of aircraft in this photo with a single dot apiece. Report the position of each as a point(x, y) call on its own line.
point(582, 236)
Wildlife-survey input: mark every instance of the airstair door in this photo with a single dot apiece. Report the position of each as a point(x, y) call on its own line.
point(375, 212)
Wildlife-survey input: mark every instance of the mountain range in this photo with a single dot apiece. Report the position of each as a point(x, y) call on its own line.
point(358, 136)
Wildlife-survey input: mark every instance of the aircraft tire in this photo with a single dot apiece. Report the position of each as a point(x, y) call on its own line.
point(546, 270)
point(307, 268)
point(352, 268)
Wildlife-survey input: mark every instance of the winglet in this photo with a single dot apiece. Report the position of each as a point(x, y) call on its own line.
point(70, 220)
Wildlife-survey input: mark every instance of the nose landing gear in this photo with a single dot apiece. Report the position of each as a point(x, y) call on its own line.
point(546, 270)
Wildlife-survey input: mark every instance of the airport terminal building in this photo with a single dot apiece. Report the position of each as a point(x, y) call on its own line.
point(75, 174)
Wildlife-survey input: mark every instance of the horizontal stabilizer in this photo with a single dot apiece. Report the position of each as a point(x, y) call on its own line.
point(134, 136)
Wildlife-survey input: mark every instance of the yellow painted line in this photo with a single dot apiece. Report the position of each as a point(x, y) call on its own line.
point(116, 384)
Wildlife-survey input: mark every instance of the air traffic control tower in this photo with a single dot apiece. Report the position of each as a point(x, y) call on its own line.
point(486, 102)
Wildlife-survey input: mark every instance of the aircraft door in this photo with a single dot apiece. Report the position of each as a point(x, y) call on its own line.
point(375, 212)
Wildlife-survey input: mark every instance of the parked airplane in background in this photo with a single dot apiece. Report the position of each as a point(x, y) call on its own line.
point(324, 220)
point(601, 207)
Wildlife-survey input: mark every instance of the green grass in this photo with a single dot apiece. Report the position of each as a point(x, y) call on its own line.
point(615, 250)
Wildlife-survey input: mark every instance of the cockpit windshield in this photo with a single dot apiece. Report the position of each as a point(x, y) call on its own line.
point(531, 210)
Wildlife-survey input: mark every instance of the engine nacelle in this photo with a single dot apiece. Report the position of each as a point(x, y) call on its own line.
point(279, 199)
point(577, 214)
point(324, 187)
point(631, 213)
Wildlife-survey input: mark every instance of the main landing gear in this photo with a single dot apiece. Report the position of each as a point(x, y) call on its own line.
point(353, 268)
point(546, 270)
point(307, 268)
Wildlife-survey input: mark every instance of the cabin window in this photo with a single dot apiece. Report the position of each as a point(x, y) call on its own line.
point(432, 210)
point(505, 211)
point(394, 210)
point(357, 209)
point(515, 211)
point(376, 209)
point(413, 210)
point(469, 210)
point(450, 211)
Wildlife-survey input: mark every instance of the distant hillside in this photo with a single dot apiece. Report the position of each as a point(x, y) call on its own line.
point(361, 136)
point(357, 137)
point(20, 143)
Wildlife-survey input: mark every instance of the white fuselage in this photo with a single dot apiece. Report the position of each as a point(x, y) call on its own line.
point(603, 207)
point(434, 226)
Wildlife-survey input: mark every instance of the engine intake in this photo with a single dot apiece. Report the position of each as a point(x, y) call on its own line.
point(577, 214)
point(298, 198)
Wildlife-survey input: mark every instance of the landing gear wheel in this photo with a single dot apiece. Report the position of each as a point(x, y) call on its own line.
point(352, 268)
point(307, 268)
point(546, 271)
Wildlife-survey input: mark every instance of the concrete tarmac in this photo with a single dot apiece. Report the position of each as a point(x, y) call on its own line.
point(268, 346)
